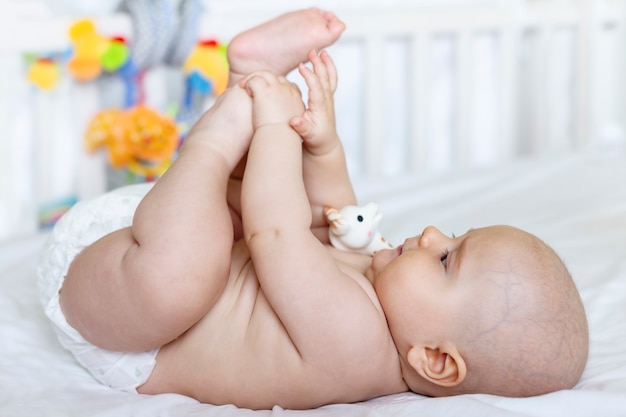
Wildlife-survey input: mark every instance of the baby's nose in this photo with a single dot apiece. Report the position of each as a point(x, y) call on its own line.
point(429, 235)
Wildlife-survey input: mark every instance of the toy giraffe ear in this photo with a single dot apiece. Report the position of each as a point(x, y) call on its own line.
point(334, 219)
point(331, 214)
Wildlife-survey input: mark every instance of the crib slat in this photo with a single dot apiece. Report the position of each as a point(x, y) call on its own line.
point(44, 145)
point(374, 116)
point(463, 84)
point(17, 214)
point(6, 189)
point(419, 100)
point(536, 111)
point(582, 109)
point(508, 90)
point(90, 168)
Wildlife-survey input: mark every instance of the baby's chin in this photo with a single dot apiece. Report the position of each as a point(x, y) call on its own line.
point(383, 257)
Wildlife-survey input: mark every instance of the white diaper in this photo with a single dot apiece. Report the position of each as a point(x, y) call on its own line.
point(82, 225)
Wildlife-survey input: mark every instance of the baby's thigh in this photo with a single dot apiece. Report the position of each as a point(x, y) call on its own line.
point(117, 294)
point(121, 296)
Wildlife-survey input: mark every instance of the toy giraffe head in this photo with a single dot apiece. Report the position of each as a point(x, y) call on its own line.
point(355, 228)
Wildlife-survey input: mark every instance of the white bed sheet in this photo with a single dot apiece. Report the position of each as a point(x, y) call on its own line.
point(577, 203)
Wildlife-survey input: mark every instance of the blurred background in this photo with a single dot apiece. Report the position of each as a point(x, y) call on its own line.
point(83, 83)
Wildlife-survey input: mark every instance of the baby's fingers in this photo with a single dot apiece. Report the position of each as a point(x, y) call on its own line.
point(330, 69)
point(259, 79)
point(324, 69)
point(316, 94)
point(319, 68)
point(253, 83)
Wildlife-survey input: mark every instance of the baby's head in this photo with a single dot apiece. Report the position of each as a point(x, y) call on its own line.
point(493, 311)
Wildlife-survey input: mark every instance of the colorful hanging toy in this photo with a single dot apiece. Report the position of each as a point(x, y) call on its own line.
point(207, 67)
point(44, 73)
point(136, 137)
point(89, 55)
point(139, 139)
point(93, 53)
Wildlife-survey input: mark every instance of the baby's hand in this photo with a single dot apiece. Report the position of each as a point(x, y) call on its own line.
point(275, 100)
point(317, 124)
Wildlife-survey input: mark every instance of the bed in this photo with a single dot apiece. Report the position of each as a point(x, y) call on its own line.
point(457, 114)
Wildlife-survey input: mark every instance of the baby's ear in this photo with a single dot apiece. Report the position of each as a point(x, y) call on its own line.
point(442, 366)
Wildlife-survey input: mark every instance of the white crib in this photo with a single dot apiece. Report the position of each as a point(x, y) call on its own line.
point(454, 113)
point(423, 88)
point(430, 87)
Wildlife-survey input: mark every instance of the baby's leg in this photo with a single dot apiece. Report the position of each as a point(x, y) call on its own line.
point(279, 45)
point(143, 286)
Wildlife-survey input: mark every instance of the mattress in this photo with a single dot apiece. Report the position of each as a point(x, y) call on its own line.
point(576, 202)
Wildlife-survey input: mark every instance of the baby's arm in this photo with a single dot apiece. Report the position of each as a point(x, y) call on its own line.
point(273, 195)
point(324, 166)
point(316, 302)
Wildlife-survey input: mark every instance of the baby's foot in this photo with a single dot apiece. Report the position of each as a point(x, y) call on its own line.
point(281, 44)
point(226, 126)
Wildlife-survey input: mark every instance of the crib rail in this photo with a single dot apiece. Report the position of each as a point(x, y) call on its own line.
point(422, 89)
point(552, 80)
point(556, 68)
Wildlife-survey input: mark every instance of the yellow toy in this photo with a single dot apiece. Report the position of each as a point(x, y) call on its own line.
point(44, 73)
point(139, 139)
point(92, 52)
point(208, 60)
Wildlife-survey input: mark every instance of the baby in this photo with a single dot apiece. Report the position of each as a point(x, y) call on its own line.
point(220, 282)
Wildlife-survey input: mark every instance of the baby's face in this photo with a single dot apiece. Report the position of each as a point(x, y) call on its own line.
point(424, 284)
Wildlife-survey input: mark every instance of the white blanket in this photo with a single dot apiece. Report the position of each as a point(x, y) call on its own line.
point(577, 203)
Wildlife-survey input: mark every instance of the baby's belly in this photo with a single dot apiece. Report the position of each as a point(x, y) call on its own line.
point(235, 360)
point(239, 354)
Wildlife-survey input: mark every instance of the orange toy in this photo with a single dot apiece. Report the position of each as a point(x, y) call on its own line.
point(139, 138)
